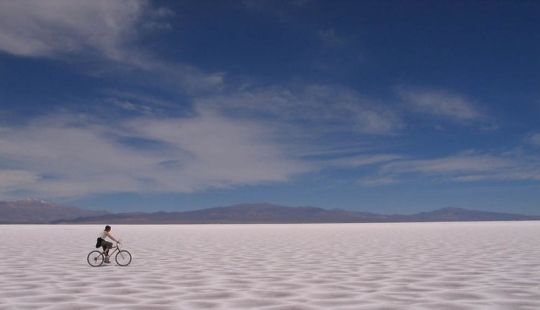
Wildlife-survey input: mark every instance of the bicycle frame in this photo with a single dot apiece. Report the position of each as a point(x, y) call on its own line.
point(116, 248)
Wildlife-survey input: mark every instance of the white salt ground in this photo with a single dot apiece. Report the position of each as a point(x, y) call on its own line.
point(490, 265)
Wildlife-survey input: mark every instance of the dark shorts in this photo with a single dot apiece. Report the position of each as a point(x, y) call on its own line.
point(106, 244)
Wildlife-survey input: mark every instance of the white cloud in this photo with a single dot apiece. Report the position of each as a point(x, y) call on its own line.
point(535, 140)
point(46, 27)
point(377, 181)
point(330, 38)
point(441, 104)
point(318, 109)
point(13, 179)
point(470, 167)
point(66, 156)
point(450, 164)
point(109, 31)
point(365, 160)
point(222, 150)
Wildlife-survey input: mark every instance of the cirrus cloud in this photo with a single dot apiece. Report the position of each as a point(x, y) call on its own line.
point(106, 31)
point(72, 155)
point(316, 108)
point(469, 167)
point(441, 104)
point(45, 28)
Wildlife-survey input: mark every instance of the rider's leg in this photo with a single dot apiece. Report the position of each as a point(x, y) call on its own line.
point(109, 246)
point(106, 246)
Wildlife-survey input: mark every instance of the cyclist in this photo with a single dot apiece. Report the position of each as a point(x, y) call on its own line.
point(106, 244)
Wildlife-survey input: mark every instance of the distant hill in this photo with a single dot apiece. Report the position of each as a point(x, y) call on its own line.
point(237, 214)
point(458, 214)
point(33, 211)
point(263, 213)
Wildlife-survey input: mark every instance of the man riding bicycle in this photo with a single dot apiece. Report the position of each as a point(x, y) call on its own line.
point(106, 245)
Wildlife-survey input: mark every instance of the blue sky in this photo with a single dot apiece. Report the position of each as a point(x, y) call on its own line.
point(380, 106)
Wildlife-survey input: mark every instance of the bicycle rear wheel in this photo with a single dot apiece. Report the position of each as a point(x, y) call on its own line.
point(123, 258)
point(95, 258)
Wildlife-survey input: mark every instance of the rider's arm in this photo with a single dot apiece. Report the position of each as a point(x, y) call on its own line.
point(109, 235)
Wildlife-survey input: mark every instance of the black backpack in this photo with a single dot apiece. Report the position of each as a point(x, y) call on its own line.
point(98, 243)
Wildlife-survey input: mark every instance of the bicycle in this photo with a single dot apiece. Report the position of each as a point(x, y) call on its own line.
point(97, 258)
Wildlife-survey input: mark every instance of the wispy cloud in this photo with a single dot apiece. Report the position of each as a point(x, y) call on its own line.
point(470, 167)
point(441, 104)
point(72, 156)
point(454, 164)
point(331, 39)
point(535, 140)
point(12, 180)
point(327, 127)
point(37, 28)
point(316, 108)
point(365, 160)
point(106, 31)
point(376, 181)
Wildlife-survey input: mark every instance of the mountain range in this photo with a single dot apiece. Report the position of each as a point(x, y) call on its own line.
point(34, 211)
point(39, 212)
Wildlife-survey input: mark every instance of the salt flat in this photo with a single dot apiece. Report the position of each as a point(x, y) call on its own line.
point(489, 265)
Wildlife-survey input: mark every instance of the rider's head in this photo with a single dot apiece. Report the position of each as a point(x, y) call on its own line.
point(108, 228)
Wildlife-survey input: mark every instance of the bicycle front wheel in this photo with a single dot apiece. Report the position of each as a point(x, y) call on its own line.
point(123, 258)
point(95, 258)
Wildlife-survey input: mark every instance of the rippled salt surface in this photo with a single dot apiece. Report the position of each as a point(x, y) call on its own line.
point(489, 265)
